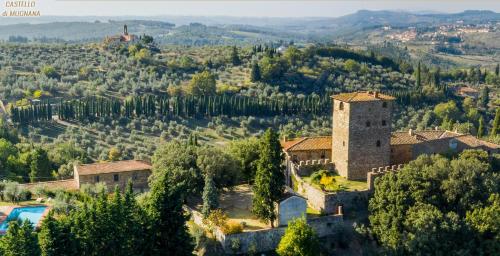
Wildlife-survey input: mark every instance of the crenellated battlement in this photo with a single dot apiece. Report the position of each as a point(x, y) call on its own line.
point(324, 161)
point(380, 171)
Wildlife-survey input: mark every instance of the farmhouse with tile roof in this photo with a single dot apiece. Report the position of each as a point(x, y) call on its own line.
point(114, 174)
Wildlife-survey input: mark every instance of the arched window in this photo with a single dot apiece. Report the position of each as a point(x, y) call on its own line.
point(384, 104)
point(341, 106)
point(378, 143)
point(368, 124)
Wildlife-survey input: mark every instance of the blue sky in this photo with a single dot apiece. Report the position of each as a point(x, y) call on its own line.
point(331, 8)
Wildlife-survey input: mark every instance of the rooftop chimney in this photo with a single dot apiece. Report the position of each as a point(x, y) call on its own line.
point(410, 132)
point(376, 94)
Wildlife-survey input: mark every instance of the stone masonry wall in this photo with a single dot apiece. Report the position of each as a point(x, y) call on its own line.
point(364, 151)
point(325, 202)
point(379, 172)
point(361, 137)
point(302, 155)
point(401, 154)
point(139, 179)
point(266, 239)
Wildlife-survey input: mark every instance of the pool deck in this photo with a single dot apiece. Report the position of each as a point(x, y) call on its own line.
point(6, 210)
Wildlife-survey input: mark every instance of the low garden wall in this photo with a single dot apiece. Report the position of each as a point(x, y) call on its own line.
point(326, 202)
point(266, 239)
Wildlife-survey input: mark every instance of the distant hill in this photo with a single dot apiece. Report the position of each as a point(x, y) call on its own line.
point(231, 30)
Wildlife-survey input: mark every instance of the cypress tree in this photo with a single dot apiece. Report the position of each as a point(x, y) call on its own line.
point(269, 180)
point(497, 70)
point(418, 76)
point(235, 58)
point(167, 219)
point(55, 238)
point(255, 74)
point(480, 130)
point(19, 240)
point(496, 123)
point(210, 195)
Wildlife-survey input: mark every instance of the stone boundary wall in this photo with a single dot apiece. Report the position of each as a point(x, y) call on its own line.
point(316, 198)
point(378, 172)
point(325, 202)
point(265, 239)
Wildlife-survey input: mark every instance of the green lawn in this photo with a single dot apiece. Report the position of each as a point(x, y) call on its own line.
point(340, 184)
point(22, 203)
point(312, 213)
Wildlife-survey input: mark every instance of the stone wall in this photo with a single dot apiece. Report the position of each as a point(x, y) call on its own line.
point(265, 239)
point(138, 178)
point(401, 154)
point(437, 146)
point(325, 202)
point(303, 155)
point(379, 172)
point(268, 239)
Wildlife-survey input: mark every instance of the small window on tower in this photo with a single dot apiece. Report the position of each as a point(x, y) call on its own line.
point(378, 143)
point(343, 143)
point(368, 123)
point(384, 104)
point(384, 123)
point(341, 106)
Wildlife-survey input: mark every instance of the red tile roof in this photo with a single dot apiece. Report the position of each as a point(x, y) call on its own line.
point(112, 167)
point(56, 184)
point(308, 143)
point(474, 142)
point(405, 138)
point(362, 96)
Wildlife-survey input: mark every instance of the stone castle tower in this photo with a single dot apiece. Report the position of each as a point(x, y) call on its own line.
point(361, 133)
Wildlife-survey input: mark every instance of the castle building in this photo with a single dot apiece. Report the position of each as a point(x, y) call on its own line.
point(361, 132)
point(125, 37)
point(362, 139)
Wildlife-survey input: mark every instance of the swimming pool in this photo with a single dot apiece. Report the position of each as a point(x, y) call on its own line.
point(31, 213)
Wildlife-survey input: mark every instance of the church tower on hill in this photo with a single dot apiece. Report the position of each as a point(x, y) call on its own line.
point(361, 133)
